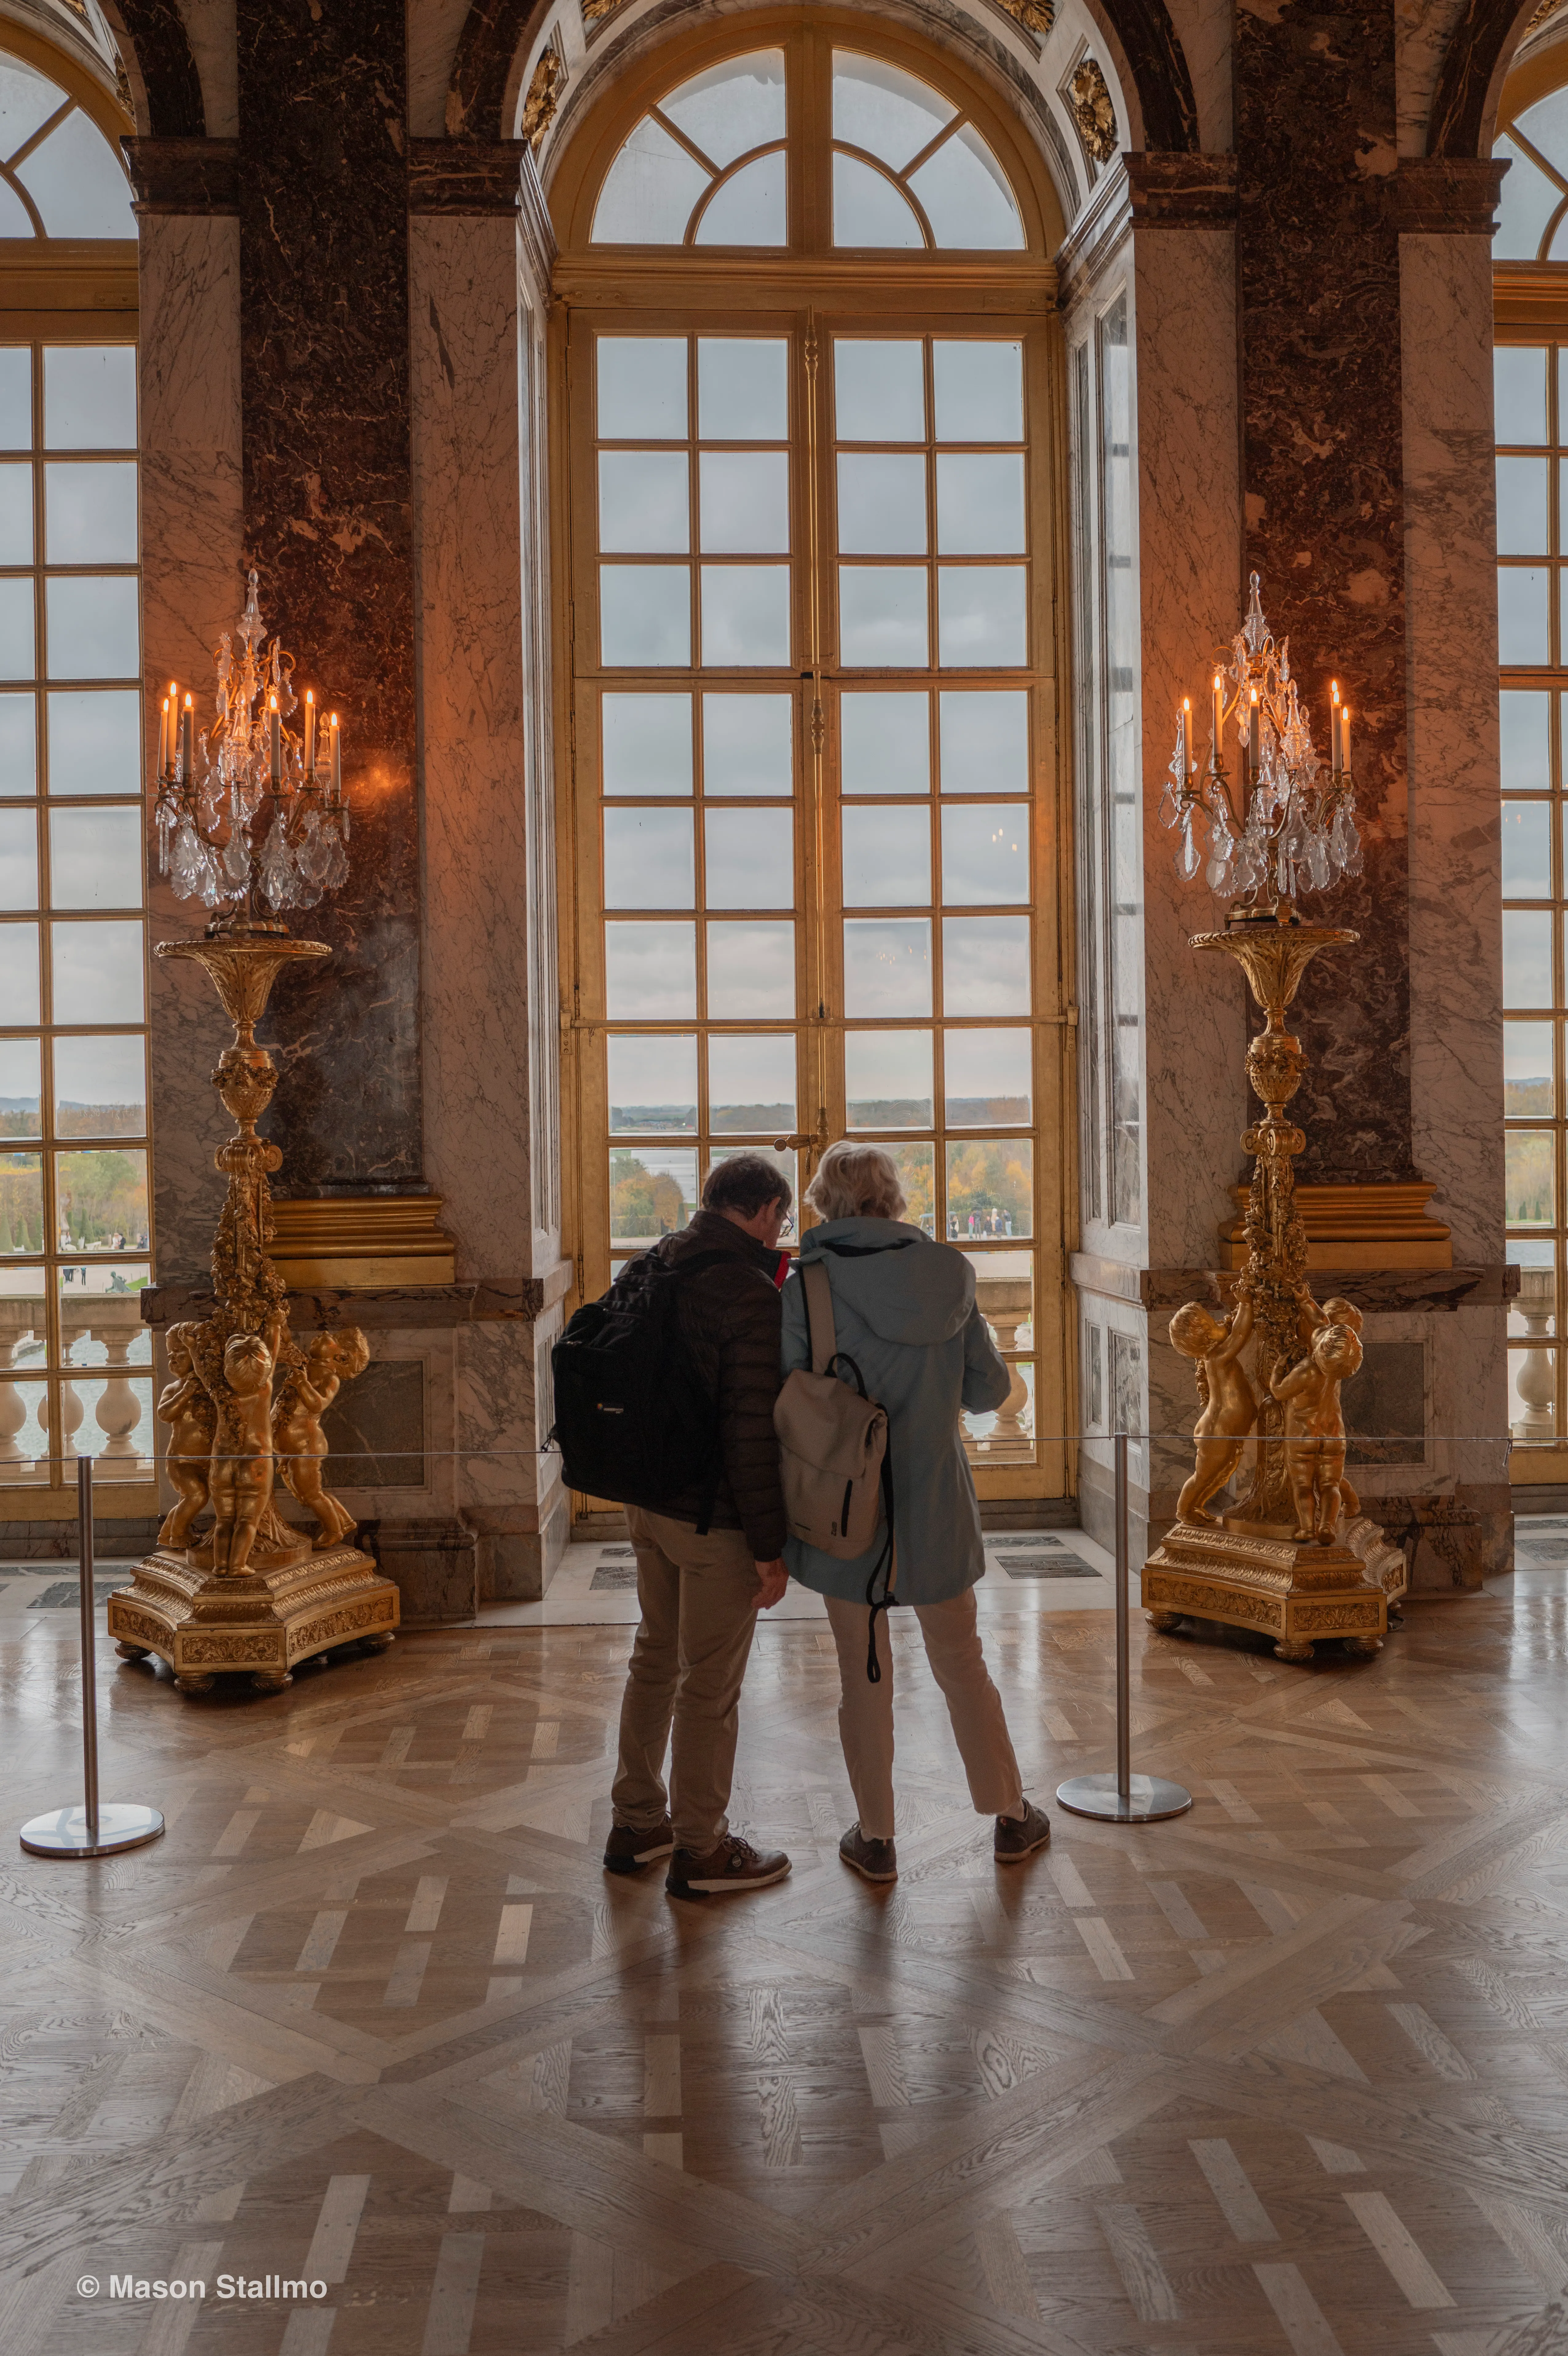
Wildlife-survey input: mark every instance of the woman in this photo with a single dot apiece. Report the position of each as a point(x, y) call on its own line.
point(904, 1310)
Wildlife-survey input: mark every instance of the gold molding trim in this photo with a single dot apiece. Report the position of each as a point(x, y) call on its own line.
point(360, 1242)
point(680, 278)
point(1530, 301)
point(1353, 1228)
point(57, 275)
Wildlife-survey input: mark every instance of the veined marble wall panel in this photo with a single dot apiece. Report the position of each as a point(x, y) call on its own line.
point(192, 588)
point(1423, 29)
point(1456, 955)
point(508, 1490)
point(434, 27)
point(209, 28)
point(467, 493)
point(1205, 29)
point(1189, 540)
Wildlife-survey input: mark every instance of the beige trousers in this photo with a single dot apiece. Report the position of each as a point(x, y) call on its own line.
point(699, 1614)
point(974, 1706)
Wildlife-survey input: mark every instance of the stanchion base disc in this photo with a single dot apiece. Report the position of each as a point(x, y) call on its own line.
point(1149, 1798)
point(64, 1832)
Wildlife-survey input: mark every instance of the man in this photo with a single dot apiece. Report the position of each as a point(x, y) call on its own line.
point(700, 1595)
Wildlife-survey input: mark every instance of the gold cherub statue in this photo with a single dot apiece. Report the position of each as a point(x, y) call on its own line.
point(1314, 1429)
point(1229, 1410)
point(333, 1359)
point(242, 1465)
point(186, 1406)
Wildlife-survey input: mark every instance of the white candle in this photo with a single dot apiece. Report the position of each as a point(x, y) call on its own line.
point(186, 724)
point(277, 743)
point(1218, 717)
point(163, 742)
point(1255, 734)
point(1345, 737)
point(337, 760)
point(309, 736)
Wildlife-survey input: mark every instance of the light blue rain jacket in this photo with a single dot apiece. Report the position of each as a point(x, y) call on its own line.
point(904, 1310)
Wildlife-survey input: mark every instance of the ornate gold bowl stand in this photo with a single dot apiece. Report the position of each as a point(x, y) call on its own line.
point(1249, 1570)
point(277, 1596)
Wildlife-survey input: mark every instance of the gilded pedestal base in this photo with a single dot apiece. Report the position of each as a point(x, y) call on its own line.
point(260, 1625)
point(1254, 1577)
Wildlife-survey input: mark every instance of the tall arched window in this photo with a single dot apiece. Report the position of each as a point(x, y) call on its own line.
point(74, 1238)
point(809, 382)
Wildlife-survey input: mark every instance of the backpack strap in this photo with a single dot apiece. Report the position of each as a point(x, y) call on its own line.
point(822, 1339)
point(887, 1559)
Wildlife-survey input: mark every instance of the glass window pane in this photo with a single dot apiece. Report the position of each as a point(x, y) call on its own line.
point(985, 854)
point(744, 502)
point(21, 1204)
point(18, 745)
point(1521, 614)
point(654, 1191)
point(18, 858)
point(89, 397)
point(101, 1087)
point(991, 1187)
point(966, 196)
point(93, 627)
point(21, 1110)
point(981, 614)
point(742, 388)
point(77, 184)
point(1004, 1291)
point(886, 744)
point(642, 387)
point(881, 616)
point(733, 107)
point(89, 512)
point(19, 999)
point(1527, 1063)
point(987, 1079)
point(1526, 850)
point(647, 743)
point(745, 615)
point(1527, 958)
point(784, 1161)
point(751, 858)
point(94, 740)
point(750, 209)
point(650, 190)
point(1528, 201)
point(913, 1160)
point(984, 741)
point(648, 858)
point(1522, 507)
point(986, 965)
point(1519, 380)
point(1526, 759)
point(751, 1085)
point(980, 504)
point(645, 614)
point(17, 514)
point(882, 505)
point(17, 658)
point(888, 113)
point(879, 390)
point(869, 210)
point(97, 974)
point(15, 391)
point(1530, 1191)
point(102, 1199)
point(748, 745)
point(888, 856)
point(652, 1084)
point(95, 858)
point(887, 966)
point(644, 502)
point(650, 972)
point(751, 973)
point(980, 391)
point(887, 1078)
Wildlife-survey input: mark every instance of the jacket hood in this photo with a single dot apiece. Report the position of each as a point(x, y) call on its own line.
point(906, 1288)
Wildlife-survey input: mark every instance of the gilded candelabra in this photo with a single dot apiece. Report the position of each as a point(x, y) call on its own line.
point(1278, 1561)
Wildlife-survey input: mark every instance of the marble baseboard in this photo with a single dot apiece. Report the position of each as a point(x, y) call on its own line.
point(434, 1566)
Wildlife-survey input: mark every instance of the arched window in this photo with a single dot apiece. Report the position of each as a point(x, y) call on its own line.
point(74, 1235)
point(808, 373)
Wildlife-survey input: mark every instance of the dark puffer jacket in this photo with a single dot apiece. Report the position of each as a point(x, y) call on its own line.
point(730, 1320)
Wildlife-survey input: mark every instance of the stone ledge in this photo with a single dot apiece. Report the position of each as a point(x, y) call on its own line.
point(488, 1299)
point(1377, 1293)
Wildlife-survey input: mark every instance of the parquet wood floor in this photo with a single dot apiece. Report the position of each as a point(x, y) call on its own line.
point(1289, 2074)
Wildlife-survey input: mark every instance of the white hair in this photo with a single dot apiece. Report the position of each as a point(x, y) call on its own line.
point(856, 1182)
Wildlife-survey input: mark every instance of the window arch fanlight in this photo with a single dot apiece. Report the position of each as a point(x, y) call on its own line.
point(60, 178)
point(711, 164)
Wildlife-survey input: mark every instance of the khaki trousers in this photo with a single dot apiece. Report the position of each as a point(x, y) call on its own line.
point(699, 1614)
point(974, 1706)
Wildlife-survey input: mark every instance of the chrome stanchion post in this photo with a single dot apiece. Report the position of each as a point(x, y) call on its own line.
point(91, 1830)
point(1125, 1798)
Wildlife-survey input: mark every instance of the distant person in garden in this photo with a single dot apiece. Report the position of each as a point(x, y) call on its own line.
point(905, 1312)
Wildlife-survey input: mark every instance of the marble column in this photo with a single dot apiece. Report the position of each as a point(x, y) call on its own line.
point(324, 341)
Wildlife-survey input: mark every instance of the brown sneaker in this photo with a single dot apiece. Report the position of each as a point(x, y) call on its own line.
point(627, 1850)
point(725, 1872)
point(1019, 1836)
point(874, 1860)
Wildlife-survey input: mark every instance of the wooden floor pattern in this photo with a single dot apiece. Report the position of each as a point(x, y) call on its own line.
point(1289, 2074)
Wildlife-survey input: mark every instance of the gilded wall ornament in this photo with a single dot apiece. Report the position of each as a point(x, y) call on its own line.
point(595, 11)
point(1093, 109)
point(543, 97)
point(1036, 17)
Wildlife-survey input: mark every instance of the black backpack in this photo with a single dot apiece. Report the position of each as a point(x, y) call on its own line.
point(632, 1420)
